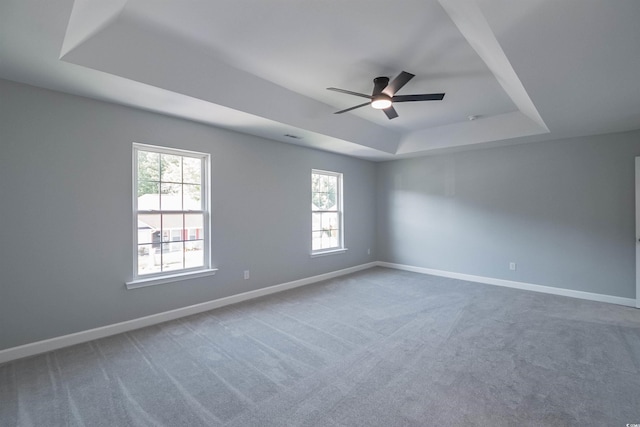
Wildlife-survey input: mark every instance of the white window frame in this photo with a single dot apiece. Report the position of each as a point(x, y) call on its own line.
point(339, 210)
point(185, 273)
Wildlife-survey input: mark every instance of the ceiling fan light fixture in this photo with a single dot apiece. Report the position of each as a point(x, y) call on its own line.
point(384, 95)
point(381, 101)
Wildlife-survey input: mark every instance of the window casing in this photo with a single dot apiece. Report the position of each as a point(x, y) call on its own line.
point(170, 212)
point(327, 225)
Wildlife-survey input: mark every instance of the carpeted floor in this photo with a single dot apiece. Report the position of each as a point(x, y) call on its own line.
point(376, 348)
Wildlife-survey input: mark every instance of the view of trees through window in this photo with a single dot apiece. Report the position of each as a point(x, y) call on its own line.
point(170, 212)
point(325, 211)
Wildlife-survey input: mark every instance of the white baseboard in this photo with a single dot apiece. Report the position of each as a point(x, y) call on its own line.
point(629, 302)
point(129, 325)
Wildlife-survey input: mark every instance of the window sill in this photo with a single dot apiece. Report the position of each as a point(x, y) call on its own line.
point(151, 281)
point(329, 252)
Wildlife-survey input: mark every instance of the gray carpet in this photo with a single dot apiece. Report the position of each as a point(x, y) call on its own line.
point(376, 348)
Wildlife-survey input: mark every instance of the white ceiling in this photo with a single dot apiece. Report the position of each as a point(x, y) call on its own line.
point(531, 70)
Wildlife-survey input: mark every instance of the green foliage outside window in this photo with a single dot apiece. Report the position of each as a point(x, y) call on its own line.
point(324, 192)
point(176, 173)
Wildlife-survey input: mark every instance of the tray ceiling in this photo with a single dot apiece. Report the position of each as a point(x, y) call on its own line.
point(527, 72)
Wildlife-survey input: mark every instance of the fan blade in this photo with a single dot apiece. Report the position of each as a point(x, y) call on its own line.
point(422, 97)
point(348, 92)
point(397, 83)
point(390, 112)
point(352, 108)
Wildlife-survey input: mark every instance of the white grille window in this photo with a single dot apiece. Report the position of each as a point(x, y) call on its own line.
point(171, 211)
point(327, 233)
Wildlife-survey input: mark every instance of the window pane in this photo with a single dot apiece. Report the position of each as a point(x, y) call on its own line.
point(192, 170)
point(320, 201)
point(326, 200)
point(171, 197)
point(316, 183)
point(325, 243)
point(323, 184)
point(176, 235)
point(148, 195)
point(171, 222)
point(330, 201)
point(316, 240)
point(172, 256)
point(148, 224)
point(333, 239)
point(170, 168)
point(332, 193)
point(146, 263)
point(332, 184)
point(316, 221)
point(148, 166)
point(329, 220)
point(194, 254)
point(194, 223)
point(192, 196)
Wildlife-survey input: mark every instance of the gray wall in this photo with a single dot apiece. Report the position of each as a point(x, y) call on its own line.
point(562, 210)
point(65, 210)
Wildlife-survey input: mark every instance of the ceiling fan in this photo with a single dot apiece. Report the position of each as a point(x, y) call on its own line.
point(384, 94)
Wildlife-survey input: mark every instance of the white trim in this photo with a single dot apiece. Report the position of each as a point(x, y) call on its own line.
point(328, 252)
point(169, 150)
point(129, 325)
point(629, 302)
point(158, 280)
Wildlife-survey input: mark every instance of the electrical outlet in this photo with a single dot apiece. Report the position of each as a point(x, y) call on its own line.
point(369, 251)
point(247, 275)
point(512, 266)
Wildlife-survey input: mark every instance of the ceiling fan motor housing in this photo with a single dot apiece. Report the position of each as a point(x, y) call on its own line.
point(379, 83)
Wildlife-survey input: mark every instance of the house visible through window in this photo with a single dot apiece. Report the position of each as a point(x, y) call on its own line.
point(326, 211)
point(170, 210)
